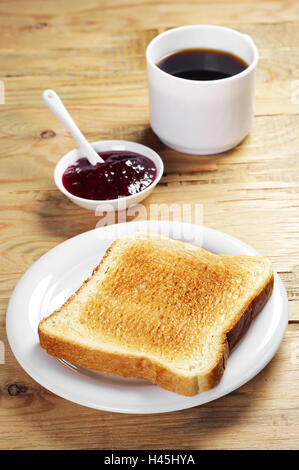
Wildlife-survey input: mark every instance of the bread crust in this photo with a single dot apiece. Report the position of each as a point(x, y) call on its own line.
point(232, 336)
point(142, 367)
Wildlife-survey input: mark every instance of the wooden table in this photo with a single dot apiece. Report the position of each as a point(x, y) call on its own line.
point(92, 54)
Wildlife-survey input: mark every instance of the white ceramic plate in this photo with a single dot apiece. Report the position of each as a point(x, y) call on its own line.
point(57, 274)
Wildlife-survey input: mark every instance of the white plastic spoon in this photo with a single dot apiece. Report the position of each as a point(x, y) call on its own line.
point(55, 104)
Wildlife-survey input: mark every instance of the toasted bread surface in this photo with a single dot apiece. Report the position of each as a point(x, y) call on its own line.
point(160, 309)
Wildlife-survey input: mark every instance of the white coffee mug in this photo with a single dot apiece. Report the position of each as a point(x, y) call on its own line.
point(201, 117)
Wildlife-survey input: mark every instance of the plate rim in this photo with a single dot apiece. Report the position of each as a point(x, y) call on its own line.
point(190, 402)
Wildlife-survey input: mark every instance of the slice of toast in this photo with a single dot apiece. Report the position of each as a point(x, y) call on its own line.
point(160, 309)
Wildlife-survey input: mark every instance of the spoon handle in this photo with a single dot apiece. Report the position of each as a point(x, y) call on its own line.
point(55, 104)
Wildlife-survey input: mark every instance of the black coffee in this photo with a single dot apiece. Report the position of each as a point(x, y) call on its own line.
point(202, 64)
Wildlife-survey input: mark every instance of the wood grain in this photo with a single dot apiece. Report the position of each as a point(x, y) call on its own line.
point(92, 54)
point(256, 416)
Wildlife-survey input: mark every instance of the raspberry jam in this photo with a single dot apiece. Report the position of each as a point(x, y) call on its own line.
point(123, 173)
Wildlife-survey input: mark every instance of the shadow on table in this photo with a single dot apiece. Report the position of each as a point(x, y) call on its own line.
point(236, 420)
point(177, 162)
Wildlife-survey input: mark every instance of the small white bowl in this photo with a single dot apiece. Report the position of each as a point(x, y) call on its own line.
point(113, 204)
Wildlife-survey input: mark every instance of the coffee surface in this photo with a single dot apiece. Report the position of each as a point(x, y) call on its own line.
point(202, 64)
